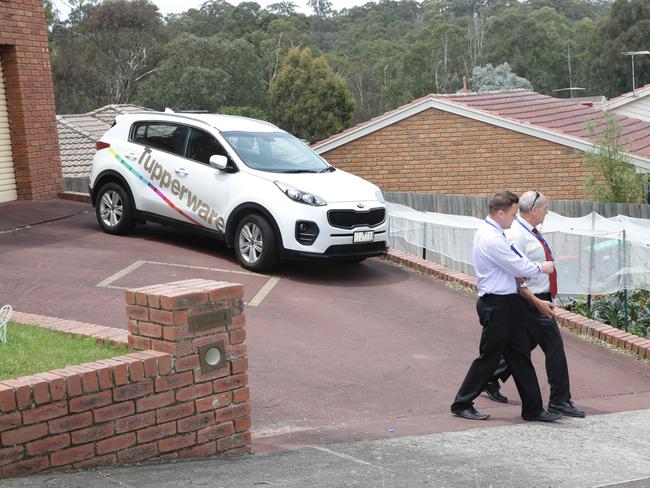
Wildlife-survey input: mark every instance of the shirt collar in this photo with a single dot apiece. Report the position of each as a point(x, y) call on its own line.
point(493, 222)
point(525, 223)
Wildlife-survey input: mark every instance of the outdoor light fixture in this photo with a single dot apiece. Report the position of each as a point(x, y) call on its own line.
point(212, 356)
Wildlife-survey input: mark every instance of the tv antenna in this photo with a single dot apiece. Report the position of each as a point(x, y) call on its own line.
point(632, 54)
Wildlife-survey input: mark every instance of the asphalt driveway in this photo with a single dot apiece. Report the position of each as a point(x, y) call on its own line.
point(337, 352)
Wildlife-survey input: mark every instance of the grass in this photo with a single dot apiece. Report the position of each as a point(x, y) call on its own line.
point(31, 349)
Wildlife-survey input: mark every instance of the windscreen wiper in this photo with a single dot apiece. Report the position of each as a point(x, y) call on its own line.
point(328, 169)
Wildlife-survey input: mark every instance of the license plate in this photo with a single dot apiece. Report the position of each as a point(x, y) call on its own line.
point(361, 236)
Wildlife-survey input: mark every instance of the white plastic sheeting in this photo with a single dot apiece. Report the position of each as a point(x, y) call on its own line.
point(594, 255)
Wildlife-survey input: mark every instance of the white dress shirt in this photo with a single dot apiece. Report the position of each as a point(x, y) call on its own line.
point(497, 266)
point(521, 235)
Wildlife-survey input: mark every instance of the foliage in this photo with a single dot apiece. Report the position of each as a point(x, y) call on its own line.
point(309, 99)
point(31, 349)
point(489, 78)
point(200, 73)
point(615, 180)
point(251, 112)
point(610, 310)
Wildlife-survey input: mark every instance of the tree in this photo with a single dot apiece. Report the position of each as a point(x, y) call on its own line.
point(491, 78)
point(204, 73)
point(308, 99)
point(321, 8)
point(615, 180)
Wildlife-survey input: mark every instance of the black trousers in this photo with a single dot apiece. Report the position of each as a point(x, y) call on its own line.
point(544, 331)
point(504, 334)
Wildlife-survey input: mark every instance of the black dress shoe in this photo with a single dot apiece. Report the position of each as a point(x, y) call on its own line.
point(566, 408)
point(543, 416)
point(493, 392)
point(472, 414)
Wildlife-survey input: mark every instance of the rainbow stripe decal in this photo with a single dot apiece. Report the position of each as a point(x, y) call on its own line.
point(152, 186)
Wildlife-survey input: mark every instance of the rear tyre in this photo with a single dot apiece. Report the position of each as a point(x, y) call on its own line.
point(256, 244)
point(114, 209)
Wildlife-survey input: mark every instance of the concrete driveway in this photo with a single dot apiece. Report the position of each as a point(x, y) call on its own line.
point(337, 352)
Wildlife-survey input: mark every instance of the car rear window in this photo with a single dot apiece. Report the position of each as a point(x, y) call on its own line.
point(160, 135)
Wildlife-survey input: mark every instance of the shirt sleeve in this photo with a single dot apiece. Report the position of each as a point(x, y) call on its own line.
point(503, 256)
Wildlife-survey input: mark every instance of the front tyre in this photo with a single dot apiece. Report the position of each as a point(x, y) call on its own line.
point(114, 209)
point(256, 244)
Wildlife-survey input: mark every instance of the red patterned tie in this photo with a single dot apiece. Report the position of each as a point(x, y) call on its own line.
point(549, 257)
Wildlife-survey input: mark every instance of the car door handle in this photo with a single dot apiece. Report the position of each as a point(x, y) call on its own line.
point(131, 157)
point(181, 171)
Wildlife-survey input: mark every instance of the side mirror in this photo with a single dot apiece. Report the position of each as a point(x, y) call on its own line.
point(219, 162)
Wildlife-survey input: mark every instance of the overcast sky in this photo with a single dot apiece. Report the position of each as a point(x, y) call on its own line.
point(175, 6)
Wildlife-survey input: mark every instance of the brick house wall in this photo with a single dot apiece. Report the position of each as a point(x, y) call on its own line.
point(30, 98)
point(438, 152)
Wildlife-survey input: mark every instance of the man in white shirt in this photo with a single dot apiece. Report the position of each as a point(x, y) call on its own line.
point(540, 292)
point(500, 308)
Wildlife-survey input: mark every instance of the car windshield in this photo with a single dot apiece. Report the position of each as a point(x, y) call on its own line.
point(276, 152)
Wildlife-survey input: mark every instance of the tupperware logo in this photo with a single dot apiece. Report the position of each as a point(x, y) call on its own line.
point(165, 181)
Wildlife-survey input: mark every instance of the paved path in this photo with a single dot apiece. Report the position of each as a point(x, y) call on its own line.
point(337, 353)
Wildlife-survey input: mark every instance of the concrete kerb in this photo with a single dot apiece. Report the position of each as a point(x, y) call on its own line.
point(571, 321)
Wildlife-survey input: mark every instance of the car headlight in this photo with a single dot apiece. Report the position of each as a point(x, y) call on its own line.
point(300, 196)
point(379, 195)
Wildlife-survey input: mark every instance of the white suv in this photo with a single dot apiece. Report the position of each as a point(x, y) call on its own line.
point(245, 181)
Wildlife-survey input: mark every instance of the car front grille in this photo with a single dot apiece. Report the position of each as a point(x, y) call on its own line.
point(349, 219)
point(366, 248)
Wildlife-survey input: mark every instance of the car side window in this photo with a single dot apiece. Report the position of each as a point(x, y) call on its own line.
point(160, 135)
point(201, 145)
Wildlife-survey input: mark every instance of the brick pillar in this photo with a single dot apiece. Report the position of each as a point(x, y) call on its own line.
point(205, 398)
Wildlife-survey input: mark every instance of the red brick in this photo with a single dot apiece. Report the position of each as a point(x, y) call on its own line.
point(200, 377)
point(88, 402)
point(242, 424)
point(213, 402)
point(230, 383)
point(120, 371)
point(72, 455)
point(114, 411)
point(40, 390)
point(97, 462)
point(89, 381)
point(135, 422)
point(150, 363)
point(234, 441)
point(206, 339)
point(203, 450)
point(56, 385)
point(22, 390)
point(195, 422)
point(238, 451)
point(10, 421)
point(176, 349)
point(227, 291)
point(183, 300)
point(239, 365)
point(237, 336)
point(176, 442)
point(156, 432)
point(140, 299)
point(136, 368)
point(129, 297)
point(155, 401)
point(116, 443)
point(137, 312)
point(93, 433)
point(241, 395)
point(49, 444)
point(11, 455)
point(192, 392)
point(70, 422)
point(174, 412)
point(22, 435)
point(231, 413)
point(187, 363)
point(214, 432)
point(164, 317)
point(7, 398)
point(104, 375)
point(134, 390)
point(138, 342)
point(174, 381)
point(164, 364)
point(45, 412)
point(26, 467)
point(138, 453)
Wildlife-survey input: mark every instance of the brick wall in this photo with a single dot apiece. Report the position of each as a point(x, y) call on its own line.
point(160, 403)
point(439, 152)
point(30, 98)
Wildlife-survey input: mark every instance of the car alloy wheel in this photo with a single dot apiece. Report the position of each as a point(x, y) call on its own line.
point(111, 208)
point(251, 243)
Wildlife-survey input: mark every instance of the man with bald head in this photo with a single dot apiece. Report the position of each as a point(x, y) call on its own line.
point(539, 292)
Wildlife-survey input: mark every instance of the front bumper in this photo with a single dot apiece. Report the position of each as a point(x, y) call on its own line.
point(340, 252)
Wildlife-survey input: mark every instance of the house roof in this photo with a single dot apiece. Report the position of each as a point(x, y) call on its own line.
point(553, 119)
point(626, 98)
point(79, 132)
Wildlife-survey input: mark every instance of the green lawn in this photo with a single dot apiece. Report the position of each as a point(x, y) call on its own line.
point(31, 349)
